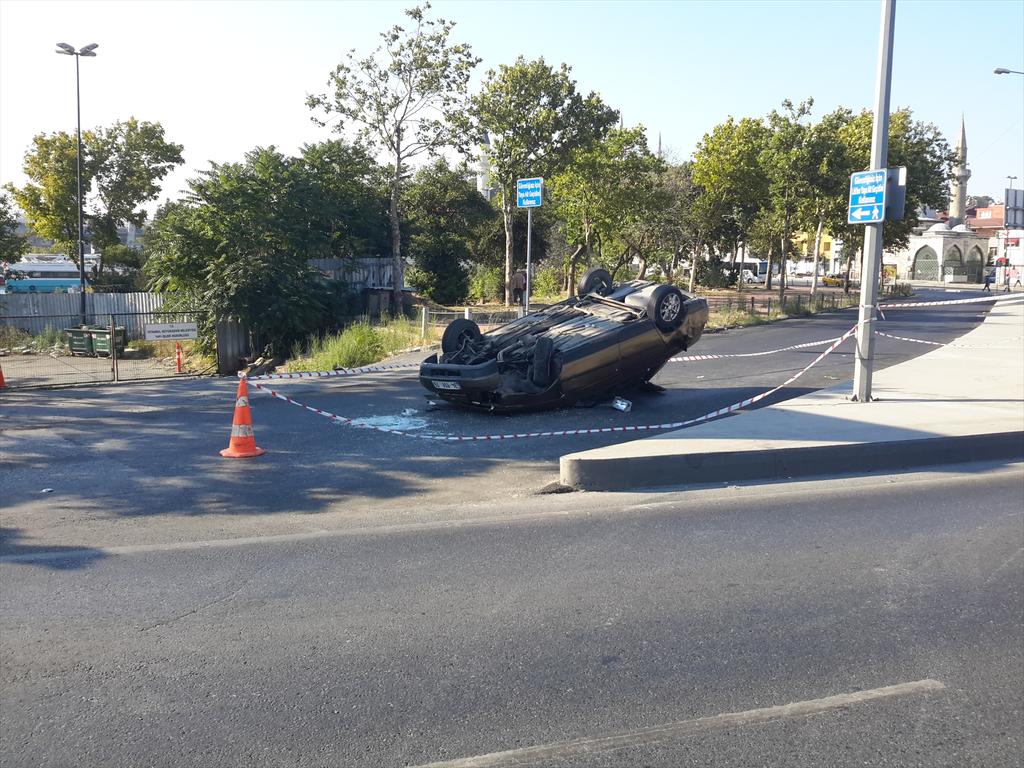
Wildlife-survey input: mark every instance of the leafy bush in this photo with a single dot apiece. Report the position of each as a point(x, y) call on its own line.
point(50, 337)
point(486, 284)
point(711, 273)
point(12, 337)
point(438, 271)
point(547, 282)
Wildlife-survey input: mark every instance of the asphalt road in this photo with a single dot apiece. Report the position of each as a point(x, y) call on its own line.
point(570, 617)
point(147, 454)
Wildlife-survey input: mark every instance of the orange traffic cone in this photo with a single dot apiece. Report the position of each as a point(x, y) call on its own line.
point(243, 441)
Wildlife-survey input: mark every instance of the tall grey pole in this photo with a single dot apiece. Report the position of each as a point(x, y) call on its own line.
point(529, 236)
point(81, 236)
point(873, 233)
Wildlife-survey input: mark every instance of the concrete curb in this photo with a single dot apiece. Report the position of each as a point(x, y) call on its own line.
point(615, 474)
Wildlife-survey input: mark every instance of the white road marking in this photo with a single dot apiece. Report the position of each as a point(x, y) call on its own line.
point(531, 755)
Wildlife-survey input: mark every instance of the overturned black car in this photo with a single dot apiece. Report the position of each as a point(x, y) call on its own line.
point(581, 350)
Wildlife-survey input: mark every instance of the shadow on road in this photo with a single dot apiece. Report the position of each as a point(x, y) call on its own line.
point(53, 557)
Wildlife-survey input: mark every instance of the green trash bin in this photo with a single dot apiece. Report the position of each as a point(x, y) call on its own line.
point(80, 342)
point(101, 339)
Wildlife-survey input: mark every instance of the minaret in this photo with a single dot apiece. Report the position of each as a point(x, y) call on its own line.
point(958, 189)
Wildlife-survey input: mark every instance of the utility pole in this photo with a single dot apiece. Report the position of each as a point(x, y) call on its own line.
point(873, 232)
point(88, 51)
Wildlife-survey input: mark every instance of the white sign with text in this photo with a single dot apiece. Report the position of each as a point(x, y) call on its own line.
point(171, 331)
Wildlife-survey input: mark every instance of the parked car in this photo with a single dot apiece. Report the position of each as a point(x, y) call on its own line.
point(833, 281)
point(605, 341)
point(748, 276)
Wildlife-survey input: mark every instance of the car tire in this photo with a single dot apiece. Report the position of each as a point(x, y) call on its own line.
point(456, 334)
point(543, 352)
point(595, 280)
point(666, 307)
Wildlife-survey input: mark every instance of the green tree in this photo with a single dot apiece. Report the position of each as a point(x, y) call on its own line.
point(407, 98)
point(788, 166)
point(827, 169)
point(733, 184)
point(50, 198)
point(678, 223)
point(534, 119)
point(446, 216)
point(131, 159)
point(123, 163)
point(12, 245)
point(604, 194)
point(918, 146)
point(239, 245)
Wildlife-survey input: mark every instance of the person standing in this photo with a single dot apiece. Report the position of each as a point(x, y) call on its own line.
point(989, 278)
point(1006, 280)
point(518, 286)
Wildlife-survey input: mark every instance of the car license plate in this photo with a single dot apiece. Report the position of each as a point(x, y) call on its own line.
point(446, 384)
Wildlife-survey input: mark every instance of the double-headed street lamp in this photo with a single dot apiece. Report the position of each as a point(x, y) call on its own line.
point(88, 50)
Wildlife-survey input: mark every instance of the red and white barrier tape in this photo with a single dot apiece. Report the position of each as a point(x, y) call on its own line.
point(696, 358)
point(330, 374)
point(953, 344)
point(568, 432)
point(974, 300)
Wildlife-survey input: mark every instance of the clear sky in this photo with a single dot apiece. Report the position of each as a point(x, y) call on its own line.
point(224, 77)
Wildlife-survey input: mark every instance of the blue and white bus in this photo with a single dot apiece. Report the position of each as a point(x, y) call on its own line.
point(42, 277)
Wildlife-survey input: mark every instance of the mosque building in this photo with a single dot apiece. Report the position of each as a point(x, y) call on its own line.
point(947, 250)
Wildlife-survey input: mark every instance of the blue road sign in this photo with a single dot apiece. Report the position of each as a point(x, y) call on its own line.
point(528, 193)
point(867, 197)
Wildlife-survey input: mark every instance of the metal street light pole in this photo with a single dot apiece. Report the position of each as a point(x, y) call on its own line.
point(88, 50)
point(873, 232)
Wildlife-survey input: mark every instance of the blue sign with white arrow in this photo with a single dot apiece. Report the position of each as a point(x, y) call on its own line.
point(528, 192)
point(867, 197)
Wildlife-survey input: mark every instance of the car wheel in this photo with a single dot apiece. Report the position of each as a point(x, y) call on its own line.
point(666, 307)
point(543, 352)
point(457, 333)
point(595, 280)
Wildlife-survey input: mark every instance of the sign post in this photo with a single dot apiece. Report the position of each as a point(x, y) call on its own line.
point(529, 196)
point(871, 211)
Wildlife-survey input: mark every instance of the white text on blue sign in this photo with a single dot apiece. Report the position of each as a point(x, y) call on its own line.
point(528, 192)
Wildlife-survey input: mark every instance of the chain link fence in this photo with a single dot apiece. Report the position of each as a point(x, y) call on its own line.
point(54, 350)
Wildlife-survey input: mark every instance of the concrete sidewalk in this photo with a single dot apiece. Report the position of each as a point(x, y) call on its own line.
point(960, 402)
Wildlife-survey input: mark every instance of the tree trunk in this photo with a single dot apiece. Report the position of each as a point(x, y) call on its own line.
point(620, 262)
point(397, 273)
point(817, 247)
point(846, 278)
point(768, 271)
point(784, 243)
point(570, 286)
point(743, 265)
point(506, 210)
point(693, 265)
point(641, 273)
